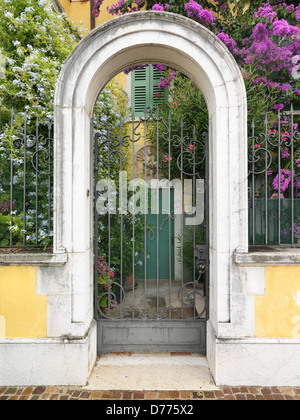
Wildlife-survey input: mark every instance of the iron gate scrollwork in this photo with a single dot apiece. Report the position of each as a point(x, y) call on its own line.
point(151, 224)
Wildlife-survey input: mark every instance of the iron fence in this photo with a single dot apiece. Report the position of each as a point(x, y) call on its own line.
point(274, 181)
point(26, 181)
point(151, 221)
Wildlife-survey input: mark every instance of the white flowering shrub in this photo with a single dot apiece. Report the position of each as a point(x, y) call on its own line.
point(34, 44)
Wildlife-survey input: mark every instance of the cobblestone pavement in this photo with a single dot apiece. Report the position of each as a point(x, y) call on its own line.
point(77, 393)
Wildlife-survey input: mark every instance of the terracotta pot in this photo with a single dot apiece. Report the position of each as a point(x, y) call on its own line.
point(129, 283)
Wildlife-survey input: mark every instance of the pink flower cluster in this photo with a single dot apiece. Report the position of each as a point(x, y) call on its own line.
point(297, 13)
point(167, 80)
point(229, 42)
point(266, 52)
point(96, 8)
point(196, 12)
point(285, 179)
point(266, 12)
point(160, 7)
point(283, 28)
point(190, 148)
point(167, 159)
point(119, 9)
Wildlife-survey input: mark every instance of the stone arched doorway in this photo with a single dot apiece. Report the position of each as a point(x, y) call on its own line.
point(162, 38)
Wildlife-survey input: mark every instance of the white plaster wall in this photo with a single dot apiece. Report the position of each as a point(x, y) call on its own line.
point(253, 361)
point(48, 361)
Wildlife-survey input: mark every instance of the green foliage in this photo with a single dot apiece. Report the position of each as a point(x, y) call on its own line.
point(35, 42)
point(180, 4)
point(189, 117)
point(110, 242)
point(190, 236)
point(6, 229)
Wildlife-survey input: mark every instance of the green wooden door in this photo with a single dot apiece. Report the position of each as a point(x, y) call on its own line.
point(160, 260)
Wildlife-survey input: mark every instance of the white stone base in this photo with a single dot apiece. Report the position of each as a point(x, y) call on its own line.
point(254, 361)
point(151, 371)
point(48, 361)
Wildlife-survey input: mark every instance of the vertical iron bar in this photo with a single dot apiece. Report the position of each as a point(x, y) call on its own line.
point(266, 182)
point(207, 230)
point(121, 227)
point(145, 220)
point(25, 181)
point(37, 181)
point(109, 226)
point(194, 227)
point(49, 176)
point(279, 177)
point(133, 224)
point(170, 258)
point(96, 222)
point(182, 216)
point(11, 182)
point(157, 217)
point(253, 186)
point(292, 171)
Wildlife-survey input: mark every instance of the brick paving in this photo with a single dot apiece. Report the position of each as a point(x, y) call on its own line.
point(77, 393)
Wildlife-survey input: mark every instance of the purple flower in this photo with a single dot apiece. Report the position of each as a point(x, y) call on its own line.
point(159, 67)
point(283, 28)
point(158, 7)
point(275, 195)
point(166, 81)
point(285, 87)
point(298, 13)
point(285, 179)
point(229, 42)
point(278, 107)
point(266, 12)
point(285, 154)
point(195, 11)
point(96, 8)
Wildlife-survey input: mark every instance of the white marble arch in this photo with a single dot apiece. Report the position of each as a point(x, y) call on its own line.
point(164, 38)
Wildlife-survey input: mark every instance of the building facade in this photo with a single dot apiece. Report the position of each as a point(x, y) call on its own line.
point(48, 334)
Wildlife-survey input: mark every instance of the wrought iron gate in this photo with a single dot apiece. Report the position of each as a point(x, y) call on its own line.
point(151, 236)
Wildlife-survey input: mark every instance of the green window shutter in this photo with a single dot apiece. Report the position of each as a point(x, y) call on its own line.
point(140, 91)
point(145, 88)
point(157, 100)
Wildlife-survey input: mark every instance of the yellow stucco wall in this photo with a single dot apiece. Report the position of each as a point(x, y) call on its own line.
point(23, 314)
point(277, 314)
point(79, 11)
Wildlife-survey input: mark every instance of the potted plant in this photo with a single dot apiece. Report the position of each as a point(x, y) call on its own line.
point(106, 286)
